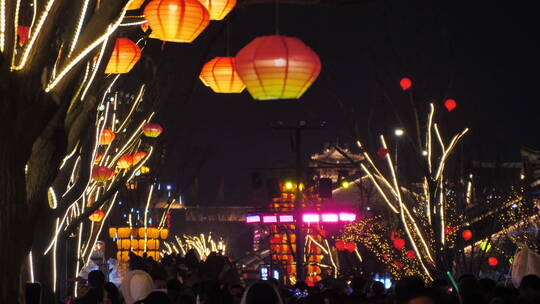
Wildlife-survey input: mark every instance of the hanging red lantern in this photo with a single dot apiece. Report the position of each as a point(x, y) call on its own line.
point(450, 104)
point(218, 9)
point(176, 20)
point(382, 152)
point(220, 75)
point(137, 157)
point(277, 67)
point(411, 254)
point(125, 55)
point(405, 83)
point(125, 162)
point(393, 235)
point(97, 216)
point(102, 173)
point(399, 243)
point(135, 4)
point(466, 234)
point(493, 261)
point(350, 247)
point(152, 130)
point(22, 33)
point(340, 245)
point(106, 137)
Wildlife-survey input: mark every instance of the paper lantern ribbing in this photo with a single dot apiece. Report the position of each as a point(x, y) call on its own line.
point(22, 34)
point(125, 55)
point(97, 216)
point(135, 4)
point(152, 130)
point(277, 67)
point(220, 75)
point(106, 137)
point(218, 9)
point(176, 20)
point(125, 162)
point(102, 173)
point(466, 234)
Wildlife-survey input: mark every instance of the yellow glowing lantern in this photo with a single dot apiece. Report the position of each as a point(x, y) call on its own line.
point(145, 170)
point(218, 9)
point(124, 232)
point(151, 232)
point(97, 216)
point(152, 130)
point(176, 20)
point(220, 75)
point(125, 55)
point(135, 4)
point(164, 233)
point(112, 232)
point(277, 67)
point(152, 244)
point(126, 244)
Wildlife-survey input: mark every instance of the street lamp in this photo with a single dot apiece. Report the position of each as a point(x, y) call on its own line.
point(399, 132)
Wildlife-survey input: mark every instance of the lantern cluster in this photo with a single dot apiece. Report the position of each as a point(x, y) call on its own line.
point(138, 240)
point(125, 55)
point(220, 75)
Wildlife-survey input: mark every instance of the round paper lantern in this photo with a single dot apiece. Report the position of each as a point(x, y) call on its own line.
point(411, 254)
point(493, 261)
point(393, 235)
point(350, 247)
point(125, 55)
point(220, 75)
point(382, 152)
point(466, 234)
point(450, 104)
point(124, 232)
point(106, 137)
point(340, 245)
point(125, 162)
point(137, 157)
point(101, 173)
point(405, 83)
point(277, 67)
point(152, 130)
point(164, 233)
point(218, 9)
point(399, 243)
point(97, 216)
point(135, 4)
point(112, 232)
point(176, 20)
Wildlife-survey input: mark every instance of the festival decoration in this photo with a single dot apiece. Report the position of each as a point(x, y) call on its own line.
point(176, 20)
point(218, 9)
point(125, 55)
point(411, 254)
point(450, 104)
point(405, 83)
point(493, 261)
point(277, 67)
point(22, 33)
point(152, 130)
point(145, 170)
point(340, 245)
point(220, 75)
point(106, 137)
point(466, 234)
point(102, 173)
point(135, 4)
point(382, 152)
point(97, 216)
point(137, 157)
point(125, 162)
point(350, 247)
point(399, 243)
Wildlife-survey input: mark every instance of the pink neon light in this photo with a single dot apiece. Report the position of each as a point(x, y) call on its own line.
point(269, 219)
point(347, 217)
point(311, 218)
point(286, 219)
point(330, 217)
point(253, 219)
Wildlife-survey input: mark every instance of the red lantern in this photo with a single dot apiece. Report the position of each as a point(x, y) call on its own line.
point(152, 130)
point(97, 216)
point(340, 245)
point(411, 254)
point(22, 33)
point(106, 137)
point(102, 173)
point(220, 75)
point(405, 83)
point(466, 234)
point(137, 157)
point(350, 247)
point(125, 162)
point(398, 264)
point(382, 152)
point(393, 235)
point(125, 55)
point(277, 67)
point(493, 261)
point(176, 20)
point(218, 9)
point(399, 243)
point(450, 104)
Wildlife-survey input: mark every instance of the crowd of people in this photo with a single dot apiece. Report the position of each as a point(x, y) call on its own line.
point(186, 280)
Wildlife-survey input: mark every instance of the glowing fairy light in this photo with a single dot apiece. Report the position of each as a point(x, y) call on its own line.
point(54, 259)
point(78, 27)
point(134, 23)
point(53, 202)
point(31, 266)
point(146, 215)
point(2, 25)
point(95, 69)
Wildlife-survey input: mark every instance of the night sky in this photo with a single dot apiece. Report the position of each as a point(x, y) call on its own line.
point(480, 54)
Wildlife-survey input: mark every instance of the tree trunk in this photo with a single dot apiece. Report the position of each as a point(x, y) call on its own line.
point(15, 233)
